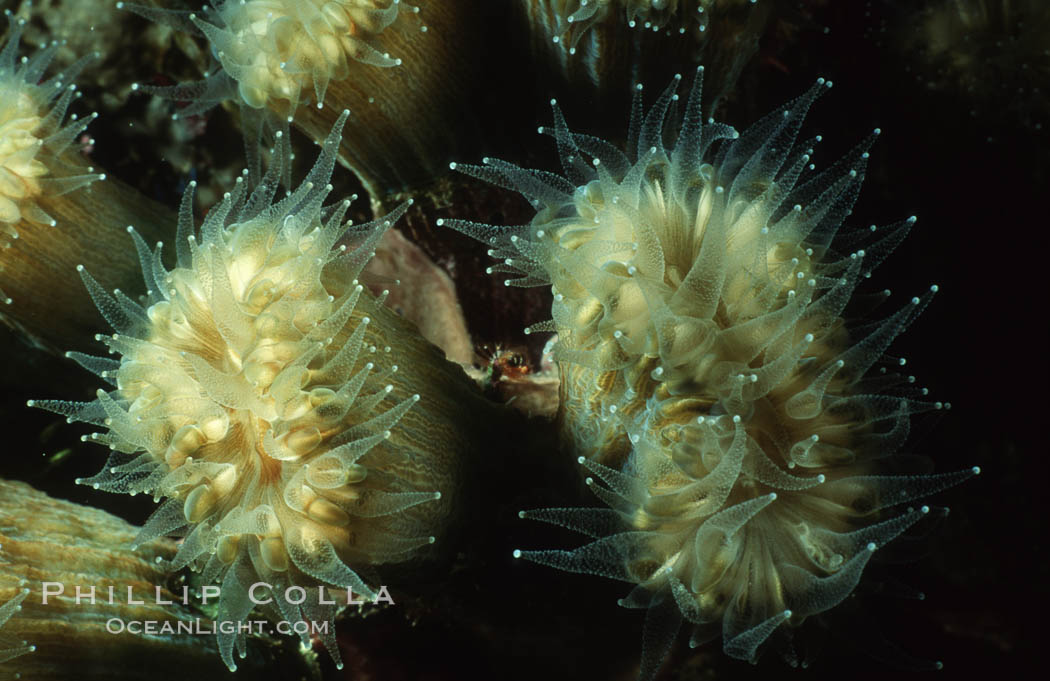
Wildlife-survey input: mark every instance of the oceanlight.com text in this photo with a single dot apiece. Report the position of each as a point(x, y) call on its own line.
point(200, 626)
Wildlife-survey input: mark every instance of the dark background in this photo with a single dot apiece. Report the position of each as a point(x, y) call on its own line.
point(975, 168)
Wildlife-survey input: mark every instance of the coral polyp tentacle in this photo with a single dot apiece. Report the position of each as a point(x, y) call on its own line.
point(12, 649)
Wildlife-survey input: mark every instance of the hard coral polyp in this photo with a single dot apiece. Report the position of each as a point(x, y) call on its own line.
point(50, 219)
point(34, 165)
point(276, 49)
point(276, 55)
point(254, 392)
point(710, 385)
point(32, 134)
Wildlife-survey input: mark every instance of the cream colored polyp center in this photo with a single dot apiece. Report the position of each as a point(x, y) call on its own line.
point(19, 168)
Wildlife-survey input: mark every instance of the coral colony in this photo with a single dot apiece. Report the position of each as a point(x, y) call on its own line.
point(717, 393)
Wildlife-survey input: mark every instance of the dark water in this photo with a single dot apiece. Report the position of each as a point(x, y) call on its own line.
point(978, 184)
